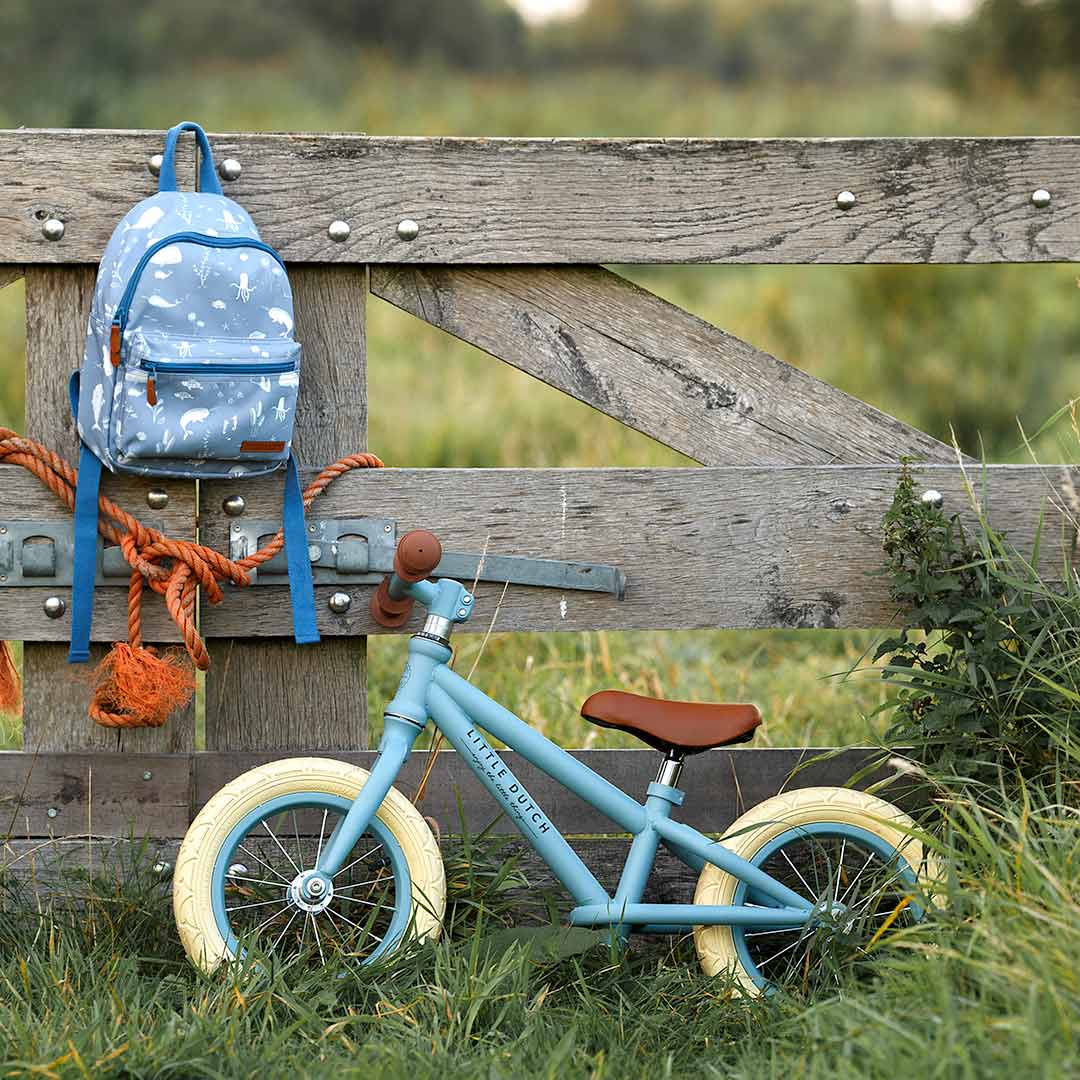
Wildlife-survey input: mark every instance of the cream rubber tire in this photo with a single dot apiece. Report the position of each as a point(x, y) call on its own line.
point(716, 946)
point(192, 889)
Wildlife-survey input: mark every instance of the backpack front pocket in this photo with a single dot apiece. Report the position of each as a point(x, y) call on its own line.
point(224, 400)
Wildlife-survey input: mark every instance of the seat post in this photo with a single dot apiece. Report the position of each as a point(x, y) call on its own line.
point(670, 768)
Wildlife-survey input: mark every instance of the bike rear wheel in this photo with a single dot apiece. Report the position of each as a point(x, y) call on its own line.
point(852, 855)
point(245, 867)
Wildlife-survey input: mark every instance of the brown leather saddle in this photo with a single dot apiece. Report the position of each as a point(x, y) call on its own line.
point(683, 726)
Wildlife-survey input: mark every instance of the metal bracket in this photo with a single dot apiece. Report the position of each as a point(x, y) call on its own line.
point(37, 553)
point(343, 551)
point(360, 551)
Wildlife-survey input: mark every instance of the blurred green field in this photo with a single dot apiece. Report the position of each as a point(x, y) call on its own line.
point(964, 349)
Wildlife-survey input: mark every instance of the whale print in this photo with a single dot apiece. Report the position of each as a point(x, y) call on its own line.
point(192, 416)
point(282, 318)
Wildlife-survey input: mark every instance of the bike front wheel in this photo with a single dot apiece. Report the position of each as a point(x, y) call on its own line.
point(856, 858)
point(241, 868)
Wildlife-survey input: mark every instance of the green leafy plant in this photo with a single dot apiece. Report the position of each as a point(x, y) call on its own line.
point(985, 663)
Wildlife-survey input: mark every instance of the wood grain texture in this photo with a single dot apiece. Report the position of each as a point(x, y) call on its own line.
point(652, 366)
point(88, 180)
point(157, 795)
point(577, 200)
point(738, 547)
point(55, 694)
point(53, 870)
point(277, 695)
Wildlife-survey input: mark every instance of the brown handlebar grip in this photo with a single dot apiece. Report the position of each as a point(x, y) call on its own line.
point(418, 553)
point(387, 611)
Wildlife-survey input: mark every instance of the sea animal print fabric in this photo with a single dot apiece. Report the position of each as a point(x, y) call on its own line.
point(190, 368)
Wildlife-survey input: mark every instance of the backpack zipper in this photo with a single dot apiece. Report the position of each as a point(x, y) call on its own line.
point(225, 367)
point(116, 335)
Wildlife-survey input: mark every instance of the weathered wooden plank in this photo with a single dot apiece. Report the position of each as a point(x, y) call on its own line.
point(24, 498)
point(54, 694)
point(720, 784)
point(652, 366)
point(578, 200)
point(87, 180)
point(276, 695)
point(101, 794)
point(54, 870)
point(156, 795)
point(740, 547)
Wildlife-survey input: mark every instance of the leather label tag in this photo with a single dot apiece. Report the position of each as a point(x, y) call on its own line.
point(253, 446)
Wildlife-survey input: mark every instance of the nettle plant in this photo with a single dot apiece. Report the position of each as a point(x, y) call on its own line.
point(986, 662)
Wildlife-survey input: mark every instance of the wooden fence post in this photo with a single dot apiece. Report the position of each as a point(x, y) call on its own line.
point(273, 694)
point(55, 693)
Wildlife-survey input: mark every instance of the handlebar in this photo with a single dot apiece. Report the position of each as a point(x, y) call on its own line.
point(418, 553)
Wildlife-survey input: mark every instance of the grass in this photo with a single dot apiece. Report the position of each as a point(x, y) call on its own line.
point(988, 986)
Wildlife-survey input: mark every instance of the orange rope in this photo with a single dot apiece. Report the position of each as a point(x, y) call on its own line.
point(174, 568)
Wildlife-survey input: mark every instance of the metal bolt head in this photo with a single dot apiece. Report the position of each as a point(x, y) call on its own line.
point(148, 775)
point(407, 229)
point(846, 200)
point(234, 505)
point(338, 231)
point(162, 868)
point(467, 598)
point(52, 811)
point(157, 499)
point(54, 606)
point(1040, 199)
point(52, 229)
point(316, 886)
point(385, 528)
point(339, 603)
point(229, 169)
point(462, 612)
point(154, 165)
point(933, 498)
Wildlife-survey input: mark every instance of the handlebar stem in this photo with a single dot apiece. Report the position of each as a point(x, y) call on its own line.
point(446, 598)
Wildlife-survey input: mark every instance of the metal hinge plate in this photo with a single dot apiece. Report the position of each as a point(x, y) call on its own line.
point(343, 551)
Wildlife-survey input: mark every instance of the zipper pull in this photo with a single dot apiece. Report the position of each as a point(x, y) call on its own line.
point(114, 345)
point(151, 391)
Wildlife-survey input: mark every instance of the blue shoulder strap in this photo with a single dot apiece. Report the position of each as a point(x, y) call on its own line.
point(301, 585)
point(84, 569)
point(208, 181)
point(85, 556)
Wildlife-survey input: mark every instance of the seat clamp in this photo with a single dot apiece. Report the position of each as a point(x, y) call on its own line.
point(664, 791)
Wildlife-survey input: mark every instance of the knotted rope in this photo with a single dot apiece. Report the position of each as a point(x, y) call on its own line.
point(136, 687)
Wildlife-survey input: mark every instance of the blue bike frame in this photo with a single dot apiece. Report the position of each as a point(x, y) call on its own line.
point(431, 691)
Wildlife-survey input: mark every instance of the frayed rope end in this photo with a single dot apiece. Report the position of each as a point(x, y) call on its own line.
point(10, 683)
point(138, 687)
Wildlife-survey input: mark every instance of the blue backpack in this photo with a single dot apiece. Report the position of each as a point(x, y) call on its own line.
point(191, 369)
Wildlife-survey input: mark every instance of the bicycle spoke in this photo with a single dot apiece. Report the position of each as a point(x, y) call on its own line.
point(260, 903)
point(798, 875)
point(280, 848)
point(281, 936)
point(257, 881)
point(263, 862)
point(839, 870)
point(360, 860)
point(786, 948)
point(354, 900)
point(855, 880)
point(357, 926)
point(322, 831)
point(296, 834)
point(267, 922)
point(357, 885)
point(318, 940)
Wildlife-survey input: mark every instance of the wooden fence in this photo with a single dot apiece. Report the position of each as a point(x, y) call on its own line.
point(779, 528)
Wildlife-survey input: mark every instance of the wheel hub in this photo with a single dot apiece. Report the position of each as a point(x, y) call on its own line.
point(311, 891)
